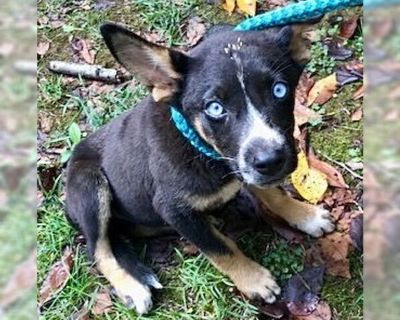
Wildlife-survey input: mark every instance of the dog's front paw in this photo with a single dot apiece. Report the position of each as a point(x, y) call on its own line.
point(136, 295)
point(257, 282)
point(317, 223)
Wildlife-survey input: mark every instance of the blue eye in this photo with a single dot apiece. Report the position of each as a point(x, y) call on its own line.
point(279, 90)
point(215, 110)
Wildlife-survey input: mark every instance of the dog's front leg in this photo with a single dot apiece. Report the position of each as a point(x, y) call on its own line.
point(311, 219)
point(252, 279)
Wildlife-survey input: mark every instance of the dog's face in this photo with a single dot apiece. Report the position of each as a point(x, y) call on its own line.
point(236, 88)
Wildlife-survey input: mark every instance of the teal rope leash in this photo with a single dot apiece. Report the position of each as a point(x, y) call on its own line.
point(189, 133)
point(294, 13)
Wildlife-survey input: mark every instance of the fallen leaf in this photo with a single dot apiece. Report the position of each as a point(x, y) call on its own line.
point(103, 303)
point(301, 292)
point(195, 30)
point(6, 49)
point(357, 115)
point(247, 6)
point(348, 27)
point(229, 5)
point(82, 48)
point(321, 312)
point(334, 177)
point(349, 73)
point(42, 48)
point(359, 93)
point(334, 250)
point(57, 277)
point(337, 51)
point(310, 183)
point(323, 90)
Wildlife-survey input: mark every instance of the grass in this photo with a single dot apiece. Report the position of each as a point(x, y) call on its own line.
point(193, 288)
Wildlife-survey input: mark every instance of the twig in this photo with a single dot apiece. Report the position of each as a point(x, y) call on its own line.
point(93, 72)
point(354, 174)
point(26, 67)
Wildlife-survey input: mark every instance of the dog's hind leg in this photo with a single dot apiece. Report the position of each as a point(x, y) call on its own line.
point(311, 219)
point(89, 206)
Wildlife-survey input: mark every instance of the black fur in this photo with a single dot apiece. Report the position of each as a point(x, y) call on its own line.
point(150, 169)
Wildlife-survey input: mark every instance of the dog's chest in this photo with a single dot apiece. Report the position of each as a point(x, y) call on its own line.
point(213, 200)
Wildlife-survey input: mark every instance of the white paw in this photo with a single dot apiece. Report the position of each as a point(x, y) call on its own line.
point(137, 295)
point(318, 223)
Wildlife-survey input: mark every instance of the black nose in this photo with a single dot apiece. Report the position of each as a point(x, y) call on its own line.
point(269, 162)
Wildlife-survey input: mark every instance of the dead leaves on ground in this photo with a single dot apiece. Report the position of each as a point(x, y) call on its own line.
point(246, 6)
point(57, 277)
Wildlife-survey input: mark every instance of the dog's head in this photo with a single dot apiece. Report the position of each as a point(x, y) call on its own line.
point(236, 88)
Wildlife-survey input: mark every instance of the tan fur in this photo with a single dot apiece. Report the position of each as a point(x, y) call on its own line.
point(123, 282)
point(249, 277)
point(300, 44)
point(293, 211)
point(226, 193)
point(199, 128)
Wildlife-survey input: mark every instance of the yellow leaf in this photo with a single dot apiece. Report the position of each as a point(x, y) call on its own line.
point(309, 182)
point(229, 5)
point(322, 90)
point(247, 6)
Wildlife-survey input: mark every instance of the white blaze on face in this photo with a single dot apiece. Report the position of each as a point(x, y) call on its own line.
point(256, 127)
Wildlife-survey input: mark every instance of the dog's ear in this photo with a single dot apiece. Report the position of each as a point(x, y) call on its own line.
point(295, 38)
point(157, 67)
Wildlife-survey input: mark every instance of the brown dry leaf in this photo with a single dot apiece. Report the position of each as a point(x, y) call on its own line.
point(359, 93)
point(247, 6)
point(42, 48)
point(195, 30)
point(303, 114)
point(334, 250)
point(23, 278)
point(357, 115)
point(83, 49)
point(322, 312)
point(103, 303)
point(348, 27)
point(57, 277)
point(334, 177)
point(6, 49)
point(323, 90)
point(229, 5)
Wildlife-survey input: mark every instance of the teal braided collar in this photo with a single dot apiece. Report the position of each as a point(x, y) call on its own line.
point(189, 133)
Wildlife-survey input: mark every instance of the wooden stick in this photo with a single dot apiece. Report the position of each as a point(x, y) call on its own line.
point(93, 72)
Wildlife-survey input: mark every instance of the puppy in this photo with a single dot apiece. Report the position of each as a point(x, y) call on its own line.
point(139, 172)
